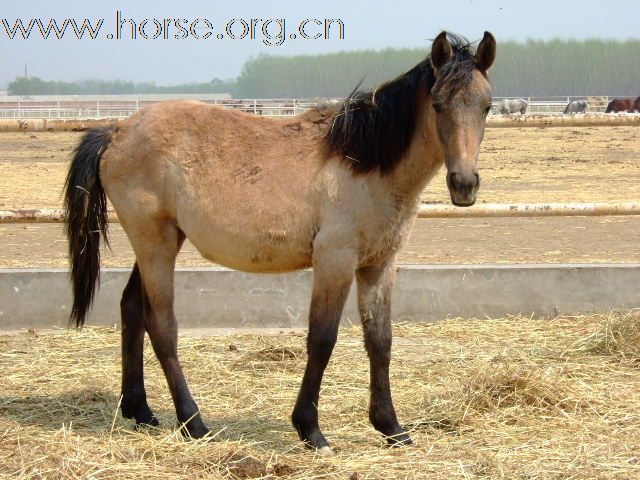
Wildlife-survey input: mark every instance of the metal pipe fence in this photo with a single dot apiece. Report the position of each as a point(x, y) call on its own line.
point(487, 210)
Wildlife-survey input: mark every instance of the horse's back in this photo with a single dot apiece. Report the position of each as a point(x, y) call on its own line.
point(620, 105)
point(508, 106)
point(241, 187)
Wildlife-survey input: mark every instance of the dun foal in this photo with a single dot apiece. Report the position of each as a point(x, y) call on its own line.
point(336, 188)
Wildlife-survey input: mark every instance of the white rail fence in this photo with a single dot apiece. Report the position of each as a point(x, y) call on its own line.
point(62, 109)
point(487, 210)
point(92, 109)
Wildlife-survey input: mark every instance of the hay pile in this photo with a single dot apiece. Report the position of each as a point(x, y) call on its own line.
point(508, 398)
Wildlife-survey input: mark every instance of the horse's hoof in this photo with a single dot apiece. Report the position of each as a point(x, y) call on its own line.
point(313, 439)
point(325, 451)
point(317, 442)
point(194, 429)
point(399, 440)
point(147, 422)
point(143, 416)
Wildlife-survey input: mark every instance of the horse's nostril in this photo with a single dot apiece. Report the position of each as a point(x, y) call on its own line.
point(453, 181)
point(460, 181)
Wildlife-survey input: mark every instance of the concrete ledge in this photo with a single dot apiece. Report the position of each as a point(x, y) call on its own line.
point(216, 297)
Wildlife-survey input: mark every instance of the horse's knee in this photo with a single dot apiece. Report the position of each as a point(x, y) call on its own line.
point(378, 348)
point(322, 343)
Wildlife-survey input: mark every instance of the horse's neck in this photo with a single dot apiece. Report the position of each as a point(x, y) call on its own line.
point(423, 160)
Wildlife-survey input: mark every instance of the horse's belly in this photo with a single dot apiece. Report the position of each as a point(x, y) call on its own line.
point(267, 251)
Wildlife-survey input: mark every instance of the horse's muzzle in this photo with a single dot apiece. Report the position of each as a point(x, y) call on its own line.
point(463, 188)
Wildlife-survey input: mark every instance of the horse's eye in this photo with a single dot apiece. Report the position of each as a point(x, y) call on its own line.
point(437, 107)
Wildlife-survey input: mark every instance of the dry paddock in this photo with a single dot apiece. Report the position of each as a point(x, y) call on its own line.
point(513, 398)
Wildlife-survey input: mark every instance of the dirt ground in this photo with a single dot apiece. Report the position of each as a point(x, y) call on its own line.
point(556, 164)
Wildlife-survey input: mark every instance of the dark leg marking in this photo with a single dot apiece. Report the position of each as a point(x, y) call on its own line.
point(133, 309)
point(375, 286)
point(330, 290)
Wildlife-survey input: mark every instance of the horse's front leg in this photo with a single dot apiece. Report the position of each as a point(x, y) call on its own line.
point(333, 272)
point(375, 286)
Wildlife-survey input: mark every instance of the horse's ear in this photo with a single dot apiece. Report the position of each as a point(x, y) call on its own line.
point(486, 53)
point(441, 51)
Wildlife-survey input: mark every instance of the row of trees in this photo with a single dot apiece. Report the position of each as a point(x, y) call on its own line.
point(37, 86)
point(567, 67)
point(531, 68)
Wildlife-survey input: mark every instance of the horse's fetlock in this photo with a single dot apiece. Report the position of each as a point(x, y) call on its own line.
point(133, 400)
point(304, 418)
point(384, 420)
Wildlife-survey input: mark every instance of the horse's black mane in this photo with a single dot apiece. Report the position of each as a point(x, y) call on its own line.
point(373, 129)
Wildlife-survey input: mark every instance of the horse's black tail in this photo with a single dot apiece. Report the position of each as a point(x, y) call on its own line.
point(86, 219)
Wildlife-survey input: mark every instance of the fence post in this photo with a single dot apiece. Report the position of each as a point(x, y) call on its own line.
point(98, 108)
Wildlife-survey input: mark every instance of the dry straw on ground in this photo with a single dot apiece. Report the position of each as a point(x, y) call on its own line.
point(507, 398)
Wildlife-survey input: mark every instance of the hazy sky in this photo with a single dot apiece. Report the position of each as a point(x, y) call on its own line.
point(368, 24)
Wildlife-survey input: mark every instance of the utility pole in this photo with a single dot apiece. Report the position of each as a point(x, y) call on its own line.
point(26, 74)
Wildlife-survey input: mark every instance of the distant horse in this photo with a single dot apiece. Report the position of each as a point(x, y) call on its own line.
point(512, 106)
point(636, 105)
point(336, 188)
point(620, 105)
point(576, 106)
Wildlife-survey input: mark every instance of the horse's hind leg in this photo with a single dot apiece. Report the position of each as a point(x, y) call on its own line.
point(133, 311)
point(375, 285)
point(156, 245)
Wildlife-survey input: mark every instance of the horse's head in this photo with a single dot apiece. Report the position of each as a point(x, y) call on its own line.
point(461, 99)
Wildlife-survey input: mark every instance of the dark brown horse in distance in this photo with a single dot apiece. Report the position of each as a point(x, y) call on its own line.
point(335, 188)
point(620, 105)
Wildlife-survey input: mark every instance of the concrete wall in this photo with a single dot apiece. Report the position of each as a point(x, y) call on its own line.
point(215, 297)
